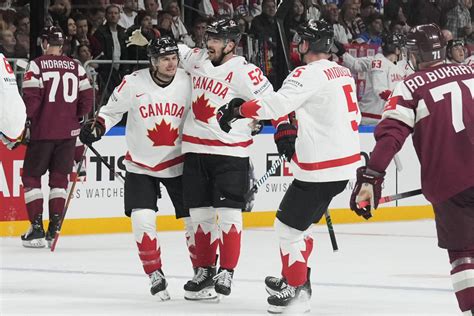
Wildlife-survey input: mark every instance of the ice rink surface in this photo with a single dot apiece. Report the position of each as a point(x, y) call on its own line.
point(380, 269)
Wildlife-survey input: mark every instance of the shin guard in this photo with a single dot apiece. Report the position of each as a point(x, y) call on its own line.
point(57, 199)
point(205, 235)
point(295, 248)
point(34, 202)
point(190, 242)
point(462, 276)
point(144, 230)
point(230, 233)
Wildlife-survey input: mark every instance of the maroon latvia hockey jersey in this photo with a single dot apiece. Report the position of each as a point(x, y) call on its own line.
point(436, 105)
point(57, 93)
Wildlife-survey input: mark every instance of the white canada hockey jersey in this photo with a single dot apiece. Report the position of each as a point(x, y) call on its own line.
point(382, 75)
point(470, 61)
point(323, 96)
point(12, 107)
point(154, 123)
point(212, 87)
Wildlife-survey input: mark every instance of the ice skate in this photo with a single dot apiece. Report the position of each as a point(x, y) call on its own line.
point(274, 285)
point(34, 237)
point(53, 227)
point(201, 287)
point(290, 300)
point(223, 281)
point(159, 285)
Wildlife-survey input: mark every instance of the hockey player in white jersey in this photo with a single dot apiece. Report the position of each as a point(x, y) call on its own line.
point(13, 112)
point(216, 165)
point(455, 52)
point(382, 72)
point(322, 94)
point(156, 100)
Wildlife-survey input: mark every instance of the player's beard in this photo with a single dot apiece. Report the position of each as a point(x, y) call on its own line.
point(218, 61)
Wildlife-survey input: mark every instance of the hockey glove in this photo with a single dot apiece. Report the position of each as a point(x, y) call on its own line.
point(92, 131)
point(368, 187)
point(229, 113)
point(384, 95)
point(285, 138)
point(339, 49)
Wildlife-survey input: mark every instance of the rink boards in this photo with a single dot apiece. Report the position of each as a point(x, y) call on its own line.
point(97, 204)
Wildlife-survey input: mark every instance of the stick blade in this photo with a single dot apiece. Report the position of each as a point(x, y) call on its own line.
point(55, 241)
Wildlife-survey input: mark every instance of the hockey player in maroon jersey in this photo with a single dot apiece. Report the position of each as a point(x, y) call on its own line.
point(436, 105)
point(156, 100)
point(57, 93)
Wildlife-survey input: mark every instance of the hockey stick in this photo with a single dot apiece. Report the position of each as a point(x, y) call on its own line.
point(332, 234)
point(264, 178)
point(102, 159)
point(394, 197)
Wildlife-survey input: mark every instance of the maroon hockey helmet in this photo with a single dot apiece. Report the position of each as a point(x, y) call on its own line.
point(53, 35)
point(427, 43)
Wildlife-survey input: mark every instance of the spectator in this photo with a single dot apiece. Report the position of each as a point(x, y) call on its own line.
point(296, 17)
point(128, 14)
point(350, 19)
point(459, 19)
point(331, 14)
point(22, 23)
point(84, 37)
point(59, 12)
point(198, 32)
point(112, 38)
point(455, 52)
point(22, 47)
point(374, 30)
point(7, 43)
point(165, 20)
point(152, 7)
point(142, 24)
point(367, 8)
point(263, 25)
point(96, 19)
point(71, 42)
point(177, 27)
point(223, 8)
point(314, 9)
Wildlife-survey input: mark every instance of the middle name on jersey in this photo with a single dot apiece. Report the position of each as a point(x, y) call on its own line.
point(211, 85)
point(159, 109)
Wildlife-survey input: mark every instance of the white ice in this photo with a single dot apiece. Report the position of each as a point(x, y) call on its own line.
point(380, 269)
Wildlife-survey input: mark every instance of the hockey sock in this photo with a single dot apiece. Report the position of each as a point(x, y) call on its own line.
point(295, 249)
point(34, 203)
point(230, 233)
point(144, 230)
point(190, 242)
point(462, 276)
point(205, 235)
point(57, 199)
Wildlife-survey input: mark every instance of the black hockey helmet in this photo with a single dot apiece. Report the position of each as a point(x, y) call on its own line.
point(224, 28)
point(53, 35)
point(162, 46)
point(427, 43)
point(392, 41)
point(451, 44)
point(320, 35)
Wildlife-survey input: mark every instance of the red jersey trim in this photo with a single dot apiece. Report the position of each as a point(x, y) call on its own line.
point(159, 167)
point(370, 115)
point(311, 166)
point(214, 142)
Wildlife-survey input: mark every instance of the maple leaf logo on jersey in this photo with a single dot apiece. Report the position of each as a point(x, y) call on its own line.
point(250, 109)
point(391, 103)
point(202, 110)
point(162, 134)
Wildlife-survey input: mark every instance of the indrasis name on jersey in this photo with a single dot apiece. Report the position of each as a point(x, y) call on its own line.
point(210, 85)
point(160, 109)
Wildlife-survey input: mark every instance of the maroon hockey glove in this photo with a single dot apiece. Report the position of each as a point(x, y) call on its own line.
point(384, 95)
point(92, 131)
point(285, 138)
point(368, 187)
point(229, 113)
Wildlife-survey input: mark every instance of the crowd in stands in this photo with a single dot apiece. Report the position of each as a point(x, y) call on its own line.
point(102, 28)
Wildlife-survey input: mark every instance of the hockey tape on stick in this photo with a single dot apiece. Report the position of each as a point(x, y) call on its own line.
point(391, 198)
point(264, 178)
point(332, 234)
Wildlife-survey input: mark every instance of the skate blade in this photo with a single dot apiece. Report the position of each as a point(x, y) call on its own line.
point(163, 295)
point(299, 307)
point(205, 294)
point(34, 243)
